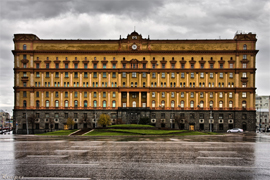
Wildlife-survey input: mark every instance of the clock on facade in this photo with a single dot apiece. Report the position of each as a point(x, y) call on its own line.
point(134, 46)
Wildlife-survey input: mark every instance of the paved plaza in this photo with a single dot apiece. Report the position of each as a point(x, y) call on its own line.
point(234, 156)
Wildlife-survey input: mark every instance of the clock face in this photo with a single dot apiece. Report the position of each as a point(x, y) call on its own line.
point(134, 46)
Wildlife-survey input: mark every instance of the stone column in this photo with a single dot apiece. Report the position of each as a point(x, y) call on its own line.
point(187, 80)
point(61, 80)
point(206, 99)
point(187, 103)
point(216, 99)
point(148, 105)
point(226, 80)
point(70, 99)
point(216, 80)
point(237, 61)
point(128, 80)
point(119, 83)
point(99, 99)
point(197, 100)
point(61, 99)
point(31, 62)
point(251, 106)
point(140, 80)
point(168, 99)
point(42, 99)
point(251, 80)
point(251, 64)
point(18, 61)
point(90, 80)
point(226, 99)
point(197, 80)
point(148, 80)
point(80, 84)
point(168, 79)
point(42, 79)
point(177, 99)
point(237, 79)
point(71, 85)
point(158, 75)
point(177, 80)
point(90, 96)
point(236, 100)
point(140, 99)
point(31, 79)
point(127, 99)
point(52, 84)
point(52, 104)
point(206, 79)
point(99, 79)
point(158, 103)
point(17, 79)
point(119, 100)
point(31, 99)
point(80, 98)
point(109, 79)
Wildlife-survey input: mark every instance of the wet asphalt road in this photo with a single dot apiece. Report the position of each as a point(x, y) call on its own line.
point(234, 156)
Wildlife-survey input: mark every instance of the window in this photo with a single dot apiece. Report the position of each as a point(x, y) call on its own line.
point(244, 104)
point(114, 66)
point(211, 66)
point(66, 94)
point(153, 94)
point(113, 104)
point(173, 66)
point(202, 65)
point(220, 116)
point(182, 75)
point(201, 104)
point(114, 74)
point(113, 95)
point(230, 94)
point(76, 66)
point(95, 74)
point(24, 93)
point(244, 84)
point(173, 75)
point(104, 65)
point(143, 84)
point(231, 75)
point(172, 94)
point(230, 104)
point(211, 104)
point(66, 74)
point(104, 104)
point(182, 94)
point(24, 47)
point(134, 104)
point(37, 65)
point(244, 75)
point(192, 94)
point(124, 66)
point(153, 66)
point(85, 94)
point(221, 66)
point(163, 66)
point(95, 94)
point(220, 94)
point(220, 75)
point(57, 74)
point(47, 103)
point(244, 65)
point(202, 75)
point(75, 74)
point(211, 94)
point(56, 94)
point(211, 75)
point(85, 74)
point(66, 65)
point(192, 75)
point(124, 75)
point(24, 56)
point(192, 104)
point(220, 104)
point(76, 104)
point(172, 104)
point(163, 94)
point(66, 103)
point(104, 75)
point(183, 66)
point(75, 94)
point(244, 56)
point(133, 74)
point(47, 94)
point(144, 75)
point(95, 66)
point(85, 65)
point(124, 84)
point(144, 66)
point(201, 94)
point(163, 75)
point(182, 104)
point(104, 94)
point(231, 65)
point(85, 103)
point(95, 103)
point(163, 104)
point(56, 103)
point(153, 75)
point(244, 94)
point(153, 104)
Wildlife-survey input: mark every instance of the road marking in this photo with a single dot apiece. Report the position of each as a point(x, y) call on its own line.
point(227, 158)
point(72, 165)
point(56, 178)
point(47, 156)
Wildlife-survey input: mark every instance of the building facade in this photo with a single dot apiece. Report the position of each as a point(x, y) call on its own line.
point(262, 111)
point(183, 84)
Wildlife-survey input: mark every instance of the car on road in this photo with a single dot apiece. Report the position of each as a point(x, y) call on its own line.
point(237, 130)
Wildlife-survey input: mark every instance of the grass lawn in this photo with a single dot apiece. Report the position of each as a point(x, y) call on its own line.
point(58, 133)
point(189, 133)
point(147, 131)
point(104, 132)
point(131, 126)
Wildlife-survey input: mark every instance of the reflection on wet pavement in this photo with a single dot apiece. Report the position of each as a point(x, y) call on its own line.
point(236, 156)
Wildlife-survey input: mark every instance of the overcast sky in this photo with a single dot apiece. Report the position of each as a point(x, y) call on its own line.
point(108, 19)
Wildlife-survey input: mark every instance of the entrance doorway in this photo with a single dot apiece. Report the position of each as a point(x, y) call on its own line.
point(191, 127)
point(244, 126)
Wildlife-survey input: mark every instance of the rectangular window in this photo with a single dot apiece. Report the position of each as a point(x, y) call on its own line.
point(85, 74)
point(37, 74)
point(66, 74)
point(95, 74)
point(24, 93)
point(124, 66)
point(85, 94)
point(66, 65)
point(172, 94)
point(244, 56)
point(192, 94)
point(153, 75)
point(163, 94)
point(192, 75)
point(244, 75)
point(192, 66)
point(220, 94)
point(114, 66)
point(244, 94)
point(220, 75)
point(231, 65)
point(201, 94)
point(133, 74)
point(95, 94)
point(144, 75)
point(211, 66)
point(113, 95)
point(75, 74)
point(231, 75)
point(211, 94)
point(202, 65)
point(47, 94)
point(57, 74)
point(37, 65)
point(163, 66)
point(244, 65)
point(95, 66)
point(37, 94)
point(104, 65)
point(183, 66)
point(211, 75)
point(85, 65)
point(182, 94)
point(144, 66)
point(230, 94)
point(114, 74)
point(47, 74)
point(124, 75)
point(202, 75)
point(153, 94)
point(104, 94)
point(221, 66)
point(76, 66)
point(173, 66)
point(182, 75)
point(173, 75)
point(153, 66)
point(47, 65)
point(163, 75)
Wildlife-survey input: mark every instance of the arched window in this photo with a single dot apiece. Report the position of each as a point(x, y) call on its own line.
point(66, 103)
point(230, 104)
point(153, 104)
point(24, 104)
point(95, 103)
point(47, 103)
point(85, 103)
point(182, 104)
point(200, 84)
point(162, 103)
point(37, 104)
point(192, 104)
point(211, 104)
point(152, 84)
point(56, 103)
point(164, 84)
point(113, 104)
point(172, 104)
point(161, 84)
point(220, 104)
point(201, 104)
point(134, 104)
point(115, 84)
point(245, 47)
point(124, 84)
point(155, 84)
point(171, 84)
point(104, 104)
point(75, 103)
point(24, 47)
point(174, 84)
point(244, 104)
point(112, 84)
point(229, 84)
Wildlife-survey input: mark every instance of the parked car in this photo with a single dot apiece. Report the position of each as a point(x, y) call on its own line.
point(237, 130)
point(263, 129)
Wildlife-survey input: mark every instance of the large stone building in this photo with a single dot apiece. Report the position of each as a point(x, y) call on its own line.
point(262, 111)
point(199, 83)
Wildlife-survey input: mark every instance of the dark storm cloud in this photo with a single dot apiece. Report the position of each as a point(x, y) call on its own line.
point(51, 9)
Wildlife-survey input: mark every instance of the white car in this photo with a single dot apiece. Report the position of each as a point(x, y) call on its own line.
point(238, 130)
